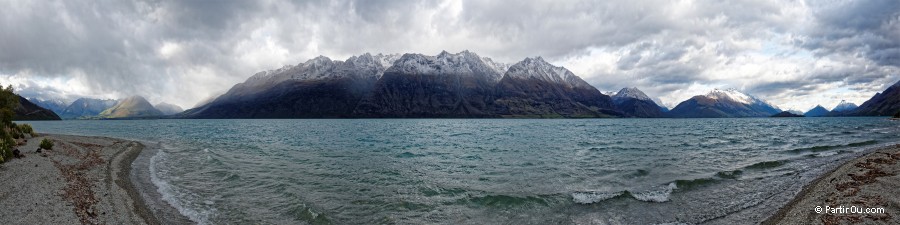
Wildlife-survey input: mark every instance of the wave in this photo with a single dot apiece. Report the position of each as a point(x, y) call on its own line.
point(656, 195)
point(168, 192)
point(730, 174)
point(504, 201)
point(408, 155)
point(691, 184)
point(659, 195)
point(821, 148)
point(594, 197)
point(766, 165)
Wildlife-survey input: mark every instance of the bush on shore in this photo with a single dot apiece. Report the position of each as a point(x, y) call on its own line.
point(46, 144)
point(26, 128)
point(897, 115)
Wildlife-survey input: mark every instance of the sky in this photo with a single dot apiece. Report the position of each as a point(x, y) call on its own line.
point(795, 54)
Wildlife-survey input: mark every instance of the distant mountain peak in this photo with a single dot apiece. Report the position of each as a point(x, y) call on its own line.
point(844, 106)
point(631, 92)
point(732, 94)
point(131, 107)
point(537, 68)
point(816, 111)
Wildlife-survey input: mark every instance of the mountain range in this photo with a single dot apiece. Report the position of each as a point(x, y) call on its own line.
point(461, 85)
point(412, 85)
point(90, 108)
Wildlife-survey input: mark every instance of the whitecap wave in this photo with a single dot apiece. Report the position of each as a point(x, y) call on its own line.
point(168, 192)
point(661, 195)
point(591, 197)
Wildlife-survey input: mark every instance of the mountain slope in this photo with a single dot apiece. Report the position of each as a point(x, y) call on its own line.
point(534, 87)
point(131, 107)
point(816, 111)
point(26, 110)
point(318, 88)
point(168, 109)
point(87, 107)
point(882, 104)
point(633, 102)
point(787, 114)
point(723, 103)
point(54, 105)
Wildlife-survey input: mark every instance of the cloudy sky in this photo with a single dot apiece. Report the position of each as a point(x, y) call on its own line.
point(795, 54)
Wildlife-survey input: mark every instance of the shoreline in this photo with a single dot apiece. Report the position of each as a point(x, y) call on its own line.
point(82, 180)
point(871, 180)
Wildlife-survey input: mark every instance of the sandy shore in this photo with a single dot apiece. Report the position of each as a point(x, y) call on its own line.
point(82, 180)
point(870, 181)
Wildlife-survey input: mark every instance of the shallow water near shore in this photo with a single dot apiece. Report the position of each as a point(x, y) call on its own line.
point(477, 171)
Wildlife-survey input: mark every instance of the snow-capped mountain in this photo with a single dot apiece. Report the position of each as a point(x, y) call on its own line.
point(412, 85)
point(445, 85)
point(633, 102)
point(321, 68)
point(631, 92)
point(816, 111)
point(724, 103)
point(464, 63)
point(538, 69)
point(534, 87)
point(844, 106)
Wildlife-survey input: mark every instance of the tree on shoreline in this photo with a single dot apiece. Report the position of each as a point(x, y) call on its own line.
point(8, 130)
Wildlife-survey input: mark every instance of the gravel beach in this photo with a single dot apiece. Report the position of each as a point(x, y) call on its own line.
point(82, 180)
point(868, 182)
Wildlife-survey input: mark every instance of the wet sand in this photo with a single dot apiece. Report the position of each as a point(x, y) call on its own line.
point(870, 181)
point(82, 180)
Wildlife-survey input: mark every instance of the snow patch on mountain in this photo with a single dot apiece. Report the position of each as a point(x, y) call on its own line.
point(321, 68)
point(730, 94)
point(463, 63)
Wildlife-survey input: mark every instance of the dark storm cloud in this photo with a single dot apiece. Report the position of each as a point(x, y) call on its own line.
point(866, 28)
point(184, 51)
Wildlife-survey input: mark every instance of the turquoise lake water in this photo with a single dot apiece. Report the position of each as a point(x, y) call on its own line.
point(486, 171)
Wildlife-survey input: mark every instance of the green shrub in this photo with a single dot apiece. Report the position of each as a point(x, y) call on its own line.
point(26, 128)
point(46, 144)
point(6, 145)
point(897, 115)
